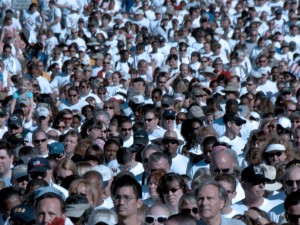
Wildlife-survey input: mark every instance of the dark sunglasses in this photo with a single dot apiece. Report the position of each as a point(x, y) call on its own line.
point(152, 219)
point(273, 154)
point(226, 170)
point(124, 129)
point(179, 120)
point(106, 107)
point(173, 190)
point(188, 211)
point(291, 182)
point(173, 142)
point(40, 141)
point(293, 218)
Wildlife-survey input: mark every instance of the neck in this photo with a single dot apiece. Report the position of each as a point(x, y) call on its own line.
point(129, 220)
point(6, 174)
point(213, 221)
point(253, 202)
point(227, 210)
point(230, 135)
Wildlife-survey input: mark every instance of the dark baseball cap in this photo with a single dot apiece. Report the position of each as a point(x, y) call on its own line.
point(253, 174)
point(169, 114)
point(24, 213)
point(140, 137)
point(15, 120)
point(38, 164)
point(233, 117)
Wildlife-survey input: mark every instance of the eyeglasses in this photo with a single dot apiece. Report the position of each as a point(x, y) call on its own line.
point(85, 87)
point(40, 141)
point(106, 62)
point(108, 107)
point(201, 96)
point(173, 190)
point(188, 211)
point(128, 129)
point(61, 127)
point(283, 131)
point(293, 218)
point(173, 142)
point(169, 118)
point(151, 219)
point(273, 154)
point(249, 84)
point(226, 170)
point(36, 175)
point(183, 50)
point(295, 121)
point(126, 198)
point(7, 51)
point(149, 119)
point(291, 182)
point(179, 120)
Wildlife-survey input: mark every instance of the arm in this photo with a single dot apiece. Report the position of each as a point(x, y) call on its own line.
point(29, 116)
point(12, 107)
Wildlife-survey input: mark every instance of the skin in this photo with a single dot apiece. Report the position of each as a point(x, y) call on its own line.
point(276, 159)
point(111, 152)
point(70, 143)
point(190, 205)
point(10, 203)
point(5, 162)
point(47, 210)
point(162, 164)
point(42, 147)
point(126, 134)
point(151, 125)
point(292, 174)
point(172, 199)
point(156, 212)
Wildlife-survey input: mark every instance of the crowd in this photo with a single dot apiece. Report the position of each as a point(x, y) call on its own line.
point(135, 112)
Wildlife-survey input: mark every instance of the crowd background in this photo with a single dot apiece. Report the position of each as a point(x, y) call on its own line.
point(150, 112)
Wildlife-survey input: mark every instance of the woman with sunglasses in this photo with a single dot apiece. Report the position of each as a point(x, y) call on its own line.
point(277, 150)
point(157, 214)
point(188, 205)
point(170, 188)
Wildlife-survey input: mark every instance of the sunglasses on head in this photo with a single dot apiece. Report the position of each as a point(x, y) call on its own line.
point(151, 219)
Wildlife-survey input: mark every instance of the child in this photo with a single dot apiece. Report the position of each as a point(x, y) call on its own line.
point(23, 91)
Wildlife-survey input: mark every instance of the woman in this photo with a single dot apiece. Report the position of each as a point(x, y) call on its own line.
point(63, 169)
point(94, 155)
point(170, 188)
point(112, 107)
point(116, 79)
point(83, 186)
point(110, 149)
point(59, 124)
point(157, 214)
point(152, 183)
point(277, 150)
point(188, 205)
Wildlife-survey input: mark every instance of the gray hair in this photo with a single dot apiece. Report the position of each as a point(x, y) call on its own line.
point(102, 215)
point(151, 147)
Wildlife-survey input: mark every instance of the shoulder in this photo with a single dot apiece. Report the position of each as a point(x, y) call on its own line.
point(225, 221)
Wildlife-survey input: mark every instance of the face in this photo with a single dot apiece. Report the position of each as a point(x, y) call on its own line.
point(73, 97)
point(146, 158)
point(95, 133)
point(276, 156)
point(70, 143)
point(68, 119)
point(62, 173)
point(292, 180)
point(170, 146)
point(294, 214)
point(85, 88)
point(152, 188)
point(43, 122)
point(297, 138)
point(82, 189)
point(5, 162)
point(11, 202)
point(111, 151)
point(47, 210)
point(254, 189)
point(209, 202)
point(24, 87)
point(151, 121)
point(173, 193)
point(162, 164)
point(235, 128)
point(223, 163)
point(126, 130)
point(40, 142)
point(156, 216)
point(231, 193)
point(125, 202)
point(191, 208)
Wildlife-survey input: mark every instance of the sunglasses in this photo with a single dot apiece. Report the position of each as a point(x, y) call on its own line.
point(151, 219)
point(291, 182)
point(293, 218)
point(226, 170)
point(124, 129)
point(68, 118)
point(173, 142)
point(188, 211)
point(272, 155)
point(149, 120)
point(179, 120)
point(195, 128)
point(40, 141)
point(173, 190)
point(108, 107)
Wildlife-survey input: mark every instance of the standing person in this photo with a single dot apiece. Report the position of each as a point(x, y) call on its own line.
point(127, 198)
point(54, 19)
point(211, 198)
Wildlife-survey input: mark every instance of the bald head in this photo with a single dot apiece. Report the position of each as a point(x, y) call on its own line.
point(223, 161)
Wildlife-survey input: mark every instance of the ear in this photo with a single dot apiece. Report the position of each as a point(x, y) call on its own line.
point(139, 203)
point(229, 124)
point(222, 205)
point(234, 194)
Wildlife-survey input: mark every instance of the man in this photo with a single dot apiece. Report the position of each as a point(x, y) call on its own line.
point(211, 198)
point(225, 161)
point(39, 167)
point(19, 176)
point(40, 143)
point(152, 119)
point(11, 63)
point(253, 182)
point(76, 39)
point(267, 86)
point(49, 205)
point(127, 198)
point(6, 160)
point(292, 207)
point(233, 124)
point(170, 144)
point(126, 131)
point(159, 161)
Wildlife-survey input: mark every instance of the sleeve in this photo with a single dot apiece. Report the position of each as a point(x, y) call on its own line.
point(29, 94)
point(16, 95)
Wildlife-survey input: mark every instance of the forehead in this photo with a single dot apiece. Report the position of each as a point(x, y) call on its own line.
point(125, 190)
point(293, 173)
point(208, 190)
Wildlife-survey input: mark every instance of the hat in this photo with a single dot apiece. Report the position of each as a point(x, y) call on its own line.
point(275, 147)
point(158, 11)
point(74, 8)
point(42, 111)
point(285, 44)
point(139, 12)
point(170, 10)
point(138, 99)
point(196, 150)
point(164, 69)
point(162, 39)
point(255, 115)
point(208, 70)
point(233, 117)
point(97, 56)
point(171, 135)
point(195, 112)
point(48, 189)
point(76, 210)
point(219, 30)
point(56, 148)
point(38, 164)
point(126, 76)
point(167, 100)
point(244, 110)
point(140, 137)
point(105, 218)
point(284, 122)
point(272, 49)
point(165, 17)
point(253, 174)
point(118, 17)
point(270, 173)
point(104, 171)
point(169, 114)
point(24, 101)
point(219, 90)
point(22, 212)
point(278, 10)
point(15, 120)
point(81, 20)
point(263, 71)
point(198, 91)
point(256, 20)
point(19, 171)
point(230, 87)
point(286, 90)
point(81, 49)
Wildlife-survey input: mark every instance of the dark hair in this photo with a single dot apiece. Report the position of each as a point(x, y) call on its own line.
point(124, 155)
point(51, 195)
point(126, 181)
point(6, 146)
